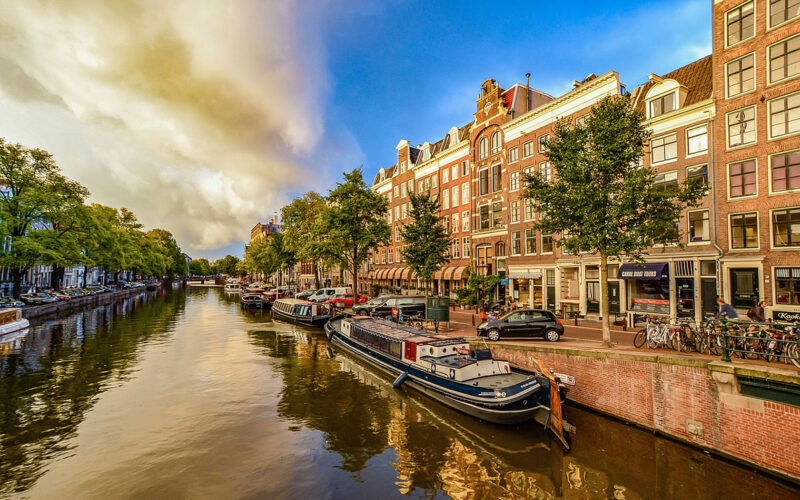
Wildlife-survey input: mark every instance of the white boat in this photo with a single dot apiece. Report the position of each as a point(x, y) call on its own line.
point(233, 288)
point(11, 320)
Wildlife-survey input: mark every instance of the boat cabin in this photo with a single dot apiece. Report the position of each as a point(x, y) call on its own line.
point(298, 307)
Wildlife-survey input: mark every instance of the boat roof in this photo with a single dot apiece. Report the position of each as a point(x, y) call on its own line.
point(296, 301)
point(403, 332)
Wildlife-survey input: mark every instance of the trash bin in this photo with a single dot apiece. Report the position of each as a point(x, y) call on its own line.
point(438, 309)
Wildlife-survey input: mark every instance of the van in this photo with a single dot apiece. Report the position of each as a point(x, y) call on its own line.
point(324, 294)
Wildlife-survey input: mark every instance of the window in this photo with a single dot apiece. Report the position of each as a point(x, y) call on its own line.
point(483, 181)
point(785, 171)
point(781, 11)
point(465, 221)
point(515, 211)
point(445, 199)
point(396, 191)
point(530, 241)
point(497, 214)
point(787, 285)
point(741, 75)
point(496, 143)
point(454, 172)
point(742, 178)
point(397, 212)
point(454, 226)
point(420, 186)
point(389, 217)
point(446, 223)
point(391, 256)
point(739, 24)
point(426, 184)
point(786, 228)
point(465, 245)
point(496, 179)
point(697, 140)
point(411, 186)
point(402, 167)
point(547, 243)
point(784, 59)
point(666, 180)
point(663, 104)
point(527, 172)
point(581, 120)
point(483, 148)
point(465, 193)
point(389, 196)
point(513, 181)
point(397, 234)
point(403, 190)
point(742, 127)
point(784, 115)
point(445, 176)
point(464, 168)
point(404, 206)
point(454, 195)
point(546, 171)
point(516, 244)
point(698, 226)
point(484, 217)
point(744, 231)
point(697, 173)
point(527, 149)
point(664, 148)
point(513, 154)
point(434, 181)
point(543, 141)
point(530, 209)
point(456, 249)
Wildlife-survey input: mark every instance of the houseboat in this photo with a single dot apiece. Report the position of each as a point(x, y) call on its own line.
point(11, 321)
point(255, 300)
point(233, 288)
point(300, 311)
point(447, 370)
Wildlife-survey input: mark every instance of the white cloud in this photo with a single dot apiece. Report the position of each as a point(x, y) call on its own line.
point(201, 117)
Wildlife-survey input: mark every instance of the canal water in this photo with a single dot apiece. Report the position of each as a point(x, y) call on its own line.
point(182, 394)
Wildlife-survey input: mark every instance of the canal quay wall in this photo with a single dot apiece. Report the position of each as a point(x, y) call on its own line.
point(77, 303)
point(703, 402)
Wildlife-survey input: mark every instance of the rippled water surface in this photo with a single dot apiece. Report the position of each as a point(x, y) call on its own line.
point(183, 395)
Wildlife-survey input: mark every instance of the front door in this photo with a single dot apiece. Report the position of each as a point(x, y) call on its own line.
point(592, 296)
point(613, 297)
point(744, 288)
point(551, 298)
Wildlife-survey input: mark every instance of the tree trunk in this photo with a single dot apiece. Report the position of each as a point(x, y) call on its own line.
point(604, 300)
point(57, 277)
point(316, 274)
point(16, 280)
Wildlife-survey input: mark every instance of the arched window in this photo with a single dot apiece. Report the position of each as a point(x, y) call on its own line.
point(483, 149)
point(500, 249)
point(495, 143)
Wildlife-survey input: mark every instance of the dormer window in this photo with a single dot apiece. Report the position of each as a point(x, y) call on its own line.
point(483, 148)
point(663, 104)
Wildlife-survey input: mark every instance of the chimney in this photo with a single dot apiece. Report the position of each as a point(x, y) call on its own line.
point(528, 92)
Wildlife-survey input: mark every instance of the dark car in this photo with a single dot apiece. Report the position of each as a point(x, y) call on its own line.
point(305, 294)
point(382, 306)
point(523, 323)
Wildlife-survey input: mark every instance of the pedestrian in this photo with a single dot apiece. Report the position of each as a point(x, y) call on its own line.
point(757, 313)
point(725, 309)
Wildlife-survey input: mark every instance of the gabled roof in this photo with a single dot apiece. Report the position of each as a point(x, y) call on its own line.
point(508, 96)
point(696, 77)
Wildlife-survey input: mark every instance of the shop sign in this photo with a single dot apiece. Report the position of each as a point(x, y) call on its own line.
point(786, 316)
point(504, 281)
point(655, 306)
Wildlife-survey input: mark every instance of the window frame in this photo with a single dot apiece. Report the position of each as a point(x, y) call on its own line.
point(728, 12)
point(707, 220)
point(481, 172)
point(651, 101)
point(465, 221)
point(514, 211)
point(728, 178)
point(772, 232)
point(689, 154)
point(465, 193)
point(541, 147)
point(770, 113)
point(495, 218)
point(728, 95)
point(771, 171)
point(730, 233)
point(513, 181)
point(532, 151)
point(705, 177)
point(768, 60)
point(769, 18)
point(652, 149)
point(497, 177)
point(516, 243)
point(455, 196)
point(513, 152)
point(527, 239)
point(728, 127)
point(498, 147)
point(552, 244)
point(483, 148)
point(465, 247)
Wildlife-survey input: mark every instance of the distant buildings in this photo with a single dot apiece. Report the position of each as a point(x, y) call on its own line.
point(261, 231)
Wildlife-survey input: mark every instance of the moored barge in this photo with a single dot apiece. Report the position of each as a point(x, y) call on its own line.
point(300, 311)
point(446, 369)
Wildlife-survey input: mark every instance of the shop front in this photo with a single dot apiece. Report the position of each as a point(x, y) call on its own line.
point(648, 287)
point(526, 287)
point(787, 294)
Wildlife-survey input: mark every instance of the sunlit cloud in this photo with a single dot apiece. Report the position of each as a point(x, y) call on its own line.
point(201, 117)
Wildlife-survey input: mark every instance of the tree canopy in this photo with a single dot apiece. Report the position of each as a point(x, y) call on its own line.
point(426, 240)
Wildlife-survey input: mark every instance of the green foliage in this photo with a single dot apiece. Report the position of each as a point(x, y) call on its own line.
point(352, 224)
point(268, 255)
point(426, 240)
point(227, 265)
point(200, 267)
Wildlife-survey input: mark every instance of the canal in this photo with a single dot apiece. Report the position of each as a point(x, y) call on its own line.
point(180, 394)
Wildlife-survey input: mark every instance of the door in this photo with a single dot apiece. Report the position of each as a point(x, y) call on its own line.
point(551, 298)
point(516, 324)
point(593, 297)
point(537, 321)
point(744, 288)
point(613, 297)
point(708, 294)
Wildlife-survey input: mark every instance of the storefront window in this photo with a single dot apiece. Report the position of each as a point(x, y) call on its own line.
point(650, 295)
point(787, 285)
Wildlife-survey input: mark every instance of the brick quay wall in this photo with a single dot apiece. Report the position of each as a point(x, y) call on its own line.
point(77, 303)
point(695, 400)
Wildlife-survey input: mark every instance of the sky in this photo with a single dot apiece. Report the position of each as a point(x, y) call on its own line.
point(206, 116)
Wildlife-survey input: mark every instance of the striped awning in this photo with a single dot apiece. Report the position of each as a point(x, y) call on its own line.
point(405, 273)
point(394, 273)
point(458, 272)
point(437, 275)
point(382, 273)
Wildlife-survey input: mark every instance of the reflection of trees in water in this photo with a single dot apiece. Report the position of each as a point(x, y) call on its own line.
point(52, 380)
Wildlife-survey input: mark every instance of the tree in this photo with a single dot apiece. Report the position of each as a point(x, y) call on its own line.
point(37, 205)
point(227, 265)
point(426, 239)
point(200, 267)
point(601, 200)
point(168, 247)
point(353, 222)
point(300, 225)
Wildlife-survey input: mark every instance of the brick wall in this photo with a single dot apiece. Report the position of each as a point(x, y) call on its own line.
point(673, 395)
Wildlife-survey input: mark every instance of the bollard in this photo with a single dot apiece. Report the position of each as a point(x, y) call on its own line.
point(575, 316)
point(726, 355)
point(473, 320)
point(624, 324)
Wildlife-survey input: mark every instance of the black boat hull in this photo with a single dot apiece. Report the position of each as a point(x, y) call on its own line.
point(264, 305)
point(527, 406)
point(315, 321)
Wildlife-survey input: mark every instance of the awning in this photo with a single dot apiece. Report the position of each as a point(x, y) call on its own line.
point(447, 272)
point(405, 273)
point(394, 273)
point(458, 273)
point(649, 271)
point(530, 274)
point(382, 273)
point(437, 275)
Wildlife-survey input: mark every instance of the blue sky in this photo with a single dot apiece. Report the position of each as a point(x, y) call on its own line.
point(411, 70)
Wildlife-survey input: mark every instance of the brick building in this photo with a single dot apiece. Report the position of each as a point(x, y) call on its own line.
point(729, 120)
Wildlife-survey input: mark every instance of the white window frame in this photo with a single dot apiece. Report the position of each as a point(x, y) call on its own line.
point(465, 221)
point(728, 179)
point(771, 190)
point(689, 227)
point(454, 196)
point(769, 18)
point(519, 240)
point(454, 172)
point(515, 150)
point(727, 127)
point(769, 117)
point(725, 22)
point(513, 181)
point(755, 75)
point(652, 100)
point(772, 231)
point(768, 61)
point(465, 193)
point(689, 154)
point(533, 151)
point(666, 160)
point(535, 241)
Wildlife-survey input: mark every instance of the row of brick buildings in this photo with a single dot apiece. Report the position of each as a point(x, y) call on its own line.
point(730, 120)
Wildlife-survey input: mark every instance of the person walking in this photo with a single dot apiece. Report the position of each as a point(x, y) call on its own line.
point(757, 313)
point(725, 309)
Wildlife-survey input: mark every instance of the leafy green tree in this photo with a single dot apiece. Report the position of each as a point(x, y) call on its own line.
point(300, 224)
point(35, 204)
point(427, 241)
point(601, 200)
point(227, 265)
point(173, 256)
point(353, 222)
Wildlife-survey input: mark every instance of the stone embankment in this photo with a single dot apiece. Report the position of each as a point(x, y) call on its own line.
point(77, 303)
point(746, 412)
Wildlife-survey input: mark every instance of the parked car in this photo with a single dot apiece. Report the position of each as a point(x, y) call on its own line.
point(32, 299)
point(346, 300)
point(523, 323)
point(382, 306)
point(305, 294)
point(6, 302)
point(324, 294)
point(59, 296)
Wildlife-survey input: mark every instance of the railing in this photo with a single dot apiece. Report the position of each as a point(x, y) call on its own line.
point(769, 341)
